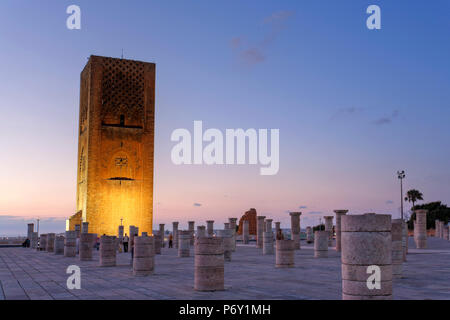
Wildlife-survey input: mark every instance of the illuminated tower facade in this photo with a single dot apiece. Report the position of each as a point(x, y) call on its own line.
point(116, 145)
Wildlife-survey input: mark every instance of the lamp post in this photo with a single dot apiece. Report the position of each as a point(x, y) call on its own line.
point(401, 176)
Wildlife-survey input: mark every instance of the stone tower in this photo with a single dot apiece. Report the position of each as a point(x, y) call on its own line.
point(116, 145)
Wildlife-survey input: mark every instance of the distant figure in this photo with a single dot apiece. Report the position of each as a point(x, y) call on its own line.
point(26, 243)
point(97, 242)
point(280, 235)
point(132, 247)
point(170, 241)
point(125, 243)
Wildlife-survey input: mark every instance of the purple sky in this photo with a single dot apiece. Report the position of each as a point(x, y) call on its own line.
point(353, 106)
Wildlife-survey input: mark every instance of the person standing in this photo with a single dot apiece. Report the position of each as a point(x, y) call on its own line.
point(170, 241)
point(125, 243)
point(280, 235)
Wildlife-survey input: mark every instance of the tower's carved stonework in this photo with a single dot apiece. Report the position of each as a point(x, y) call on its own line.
point(116, 144)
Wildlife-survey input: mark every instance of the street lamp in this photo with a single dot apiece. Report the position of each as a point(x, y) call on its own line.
point(401, 176)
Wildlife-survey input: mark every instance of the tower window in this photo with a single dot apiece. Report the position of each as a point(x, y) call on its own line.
point(122, 120)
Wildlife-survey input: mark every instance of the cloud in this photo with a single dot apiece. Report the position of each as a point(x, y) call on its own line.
point(344, 112)
point(381, 121)
point(386, 119)
point(251, 54)
point(278, 17)
point(315, 212)
point(197, 204)
point(302, 207)
point(389, 202)
point(236, 42)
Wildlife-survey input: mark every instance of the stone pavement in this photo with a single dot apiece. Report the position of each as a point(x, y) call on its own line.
point(28, 274)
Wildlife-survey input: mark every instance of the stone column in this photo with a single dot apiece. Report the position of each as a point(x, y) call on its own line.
point(366, 241)
point(232, 222)
point(120, 238)
point(227, 238)
point(446, 233)
point(415, 232)
point(70, 244)
point(295, 228)
point(78, 230)
point(133, 231)
point(85, 227)
point(43, 242)
point(329, 229)
point(107, 251)
point(268, 238)
point(284, 257)
point(59, 245)
point(209, 268)
point(158, 242)
point(339, 214)
point(50, 242)
point(268, 243)
point(191, 228)
point(420, 229)
point(210, 228)
point(201, 231)
point(175, 234)
point(436, 228)
point(34, 240)
point(441, 229)
point(30, 230)
point(309, 235)
point(184, 240)
point(245, 231)
point(144, 256)
point(407, 238)
point(162, 233)
point(321, 239)
point(404, 239)
point(86, 240)
point(397, 247)
point(259, 231)
point(268, 226)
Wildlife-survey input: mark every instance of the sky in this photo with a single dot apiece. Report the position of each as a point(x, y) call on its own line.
point(352, 105)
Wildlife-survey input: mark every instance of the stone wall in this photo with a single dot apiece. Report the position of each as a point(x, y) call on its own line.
point(249, 216)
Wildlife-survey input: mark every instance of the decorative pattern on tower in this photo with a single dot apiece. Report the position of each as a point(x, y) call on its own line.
point(123, 92)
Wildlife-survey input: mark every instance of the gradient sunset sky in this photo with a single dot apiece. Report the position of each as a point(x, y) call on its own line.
point(353, 105)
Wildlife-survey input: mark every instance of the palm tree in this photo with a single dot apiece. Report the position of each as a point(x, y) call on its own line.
point(413, 196)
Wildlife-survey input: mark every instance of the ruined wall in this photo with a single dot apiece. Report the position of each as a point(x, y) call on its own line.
point(249, 216)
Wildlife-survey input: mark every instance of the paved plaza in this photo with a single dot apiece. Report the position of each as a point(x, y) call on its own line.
point(28, 274)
